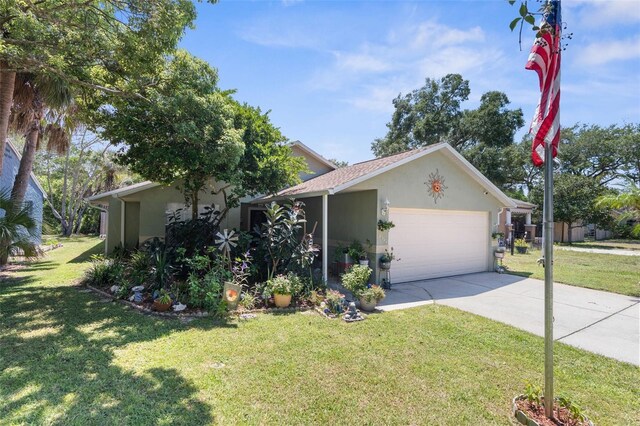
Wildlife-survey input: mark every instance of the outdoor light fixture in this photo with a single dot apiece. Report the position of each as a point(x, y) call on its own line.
point(385, 210)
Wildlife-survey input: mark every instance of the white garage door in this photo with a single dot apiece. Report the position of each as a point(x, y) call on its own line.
point(437, 243)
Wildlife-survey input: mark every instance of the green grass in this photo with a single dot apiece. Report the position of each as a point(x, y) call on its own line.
point(609, 272)
point(610, 244)
point(68, 358)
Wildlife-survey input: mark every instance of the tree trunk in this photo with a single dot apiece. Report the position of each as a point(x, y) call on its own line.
point(194, 205)
point(26, 165)
point(7, 83)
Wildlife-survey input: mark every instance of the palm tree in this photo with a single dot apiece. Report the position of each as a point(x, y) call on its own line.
point(627, 201)
point(17, 229)
point(34, 96)
point(7, 83)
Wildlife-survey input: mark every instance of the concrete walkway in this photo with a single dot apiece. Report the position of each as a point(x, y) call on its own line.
point(598, 321)
point(621, 252)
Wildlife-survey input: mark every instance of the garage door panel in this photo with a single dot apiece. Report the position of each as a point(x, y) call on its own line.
point(438, 243)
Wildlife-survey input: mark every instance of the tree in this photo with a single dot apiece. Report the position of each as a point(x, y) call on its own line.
point(17, 229)
point(629, 202)
point(190, 132)
point(339, 163)
point(575, 198)
point(83, 170)
point(35, 95)
point(112, 46)
point(426, 116)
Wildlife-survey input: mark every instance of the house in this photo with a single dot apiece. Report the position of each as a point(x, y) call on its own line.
point(518, 220)
point(35, 194)
point(136, 213)
point(443, 208)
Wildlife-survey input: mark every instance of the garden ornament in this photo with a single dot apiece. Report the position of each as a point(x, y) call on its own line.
point(114, 288)
point(179, 307)
point(352, 314)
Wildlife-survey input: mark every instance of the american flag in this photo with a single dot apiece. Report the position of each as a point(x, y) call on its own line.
point(545, 60)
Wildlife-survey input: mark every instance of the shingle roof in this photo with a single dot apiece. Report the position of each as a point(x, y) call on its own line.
point(344, 175)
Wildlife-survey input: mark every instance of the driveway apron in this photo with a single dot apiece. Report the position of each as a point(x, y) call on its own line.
point(598, 321)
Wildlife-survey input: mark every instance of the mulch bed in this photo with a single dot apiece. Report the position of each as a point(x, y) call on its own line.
point(145, 307)
point(536, 412)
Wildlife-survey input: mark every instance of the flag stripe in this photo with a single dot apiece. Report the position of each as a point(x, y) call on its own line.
point(544, 59)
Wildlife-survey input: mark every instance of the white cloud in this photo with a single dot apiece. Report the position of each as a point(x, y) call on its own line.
point(599, 13)
point(603, 52)
point(360, 62)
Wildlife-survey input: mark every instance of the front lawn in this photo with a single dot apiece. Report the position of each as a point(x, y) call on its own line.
point(69, 357)
point(610, 244)
point(609, 272)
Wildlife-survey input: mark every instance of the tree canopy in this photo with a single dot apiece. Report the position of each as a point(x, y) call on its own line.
point(186, 130)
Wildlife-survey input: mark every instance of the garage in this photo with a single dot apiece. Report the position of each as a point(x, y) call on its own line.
point(438, 243)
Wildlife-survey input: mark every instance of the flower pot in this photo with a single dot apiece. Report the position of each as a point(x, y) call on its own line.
point(522, 250)
point(385, 265)
point(282, 300)
point(368, 306)
point(231, 294)
point(364, 262)
point(161, 307)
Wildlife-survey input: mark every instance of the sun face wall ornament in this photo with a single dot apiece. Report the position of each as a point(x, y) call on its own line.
point(435, 185)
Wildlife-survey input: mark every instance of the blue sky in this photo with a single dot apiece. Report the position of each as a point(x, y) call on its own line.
point(328, 70)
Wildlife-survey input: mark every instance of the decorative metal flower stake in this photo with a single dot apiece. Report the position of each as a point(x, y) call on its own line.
point(226, 240)
point(435, 185)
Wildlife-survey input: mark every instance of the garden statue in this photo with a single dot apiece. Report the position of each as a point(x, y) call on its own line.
point(352, 314)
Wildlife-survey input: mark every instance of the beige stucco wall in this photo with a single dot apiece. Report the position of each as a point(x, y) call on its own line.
point(113, 227)
point(405, 187)
point(316, 167)
point(145, 215)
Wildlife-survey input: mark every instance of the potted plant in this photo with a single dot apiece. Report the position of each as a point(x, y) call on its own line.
point(358, 253)
point(386, 259)
point(163, 302)
point(385, 225)
point(370, 297)
point(283, 288)
point(342, 258)
point(521, 245)
point(357, 282)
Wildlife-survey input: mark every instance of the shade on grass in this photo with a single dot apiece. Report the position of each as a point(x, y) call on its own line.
point(608, 272)
point(68, 358)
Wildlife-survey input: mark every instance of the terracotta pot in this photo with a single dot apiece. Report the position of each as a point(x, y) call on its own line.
point(161, 307)
point(368, 306)
point(282, 300)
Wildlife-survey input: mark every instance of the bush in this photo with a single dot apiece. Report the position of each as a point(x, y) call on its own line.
point(356, 279)
point(105, 272)
point(205, 291)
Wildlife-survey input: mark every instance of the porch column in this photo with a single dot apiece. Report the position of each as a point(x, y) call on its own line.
point(325, 238)
point(528, 220)
point(508, 217)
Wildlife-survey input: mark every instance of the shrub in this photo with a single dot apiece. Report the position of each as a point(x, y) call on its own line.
point(356, 251)
point(205, 291)
point(356, 279)
point(105, 272)
point(248, 301)
point(138, 268)
point(283, 242)
point(521, 242)
point(334, 301)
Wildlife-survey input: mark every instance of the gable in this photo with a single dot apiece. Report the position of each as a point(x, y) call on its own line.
point(316, 164)
point(406, 185)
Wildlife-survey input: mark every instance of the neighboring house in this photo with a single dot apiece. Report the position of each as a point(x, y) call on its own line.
point(443, 208)
point(136, 213)
point(35, 193)
point(517, 219)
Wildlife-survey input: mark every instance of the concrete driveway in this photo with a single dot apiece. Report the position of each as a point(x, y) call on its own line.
point(598, 321)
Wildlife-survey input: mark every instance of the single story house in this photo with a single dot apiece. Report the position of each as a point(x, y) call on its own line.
point(34, 197)
point(444, 211)
point(136, 213)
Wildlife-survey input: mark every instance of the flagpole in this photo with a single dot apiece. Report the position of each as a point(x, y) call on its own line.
point(548, 280)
